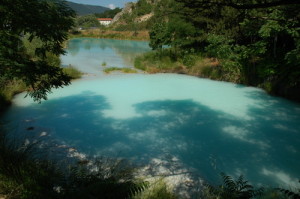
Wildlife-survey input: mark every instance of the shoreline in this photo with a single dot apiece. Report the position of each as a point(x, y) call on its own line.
point(142, 35)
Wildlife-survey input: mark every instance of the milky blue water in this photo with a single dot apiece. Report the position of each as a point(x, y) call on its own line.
point(206, 126)
point(89, 55)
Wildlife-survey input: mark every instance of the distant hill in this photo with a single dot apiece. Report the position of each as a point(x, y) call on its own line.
point(83, 9)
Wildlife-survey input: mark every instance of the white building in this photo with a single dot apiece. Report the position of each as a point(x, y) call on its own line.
point(105, 21)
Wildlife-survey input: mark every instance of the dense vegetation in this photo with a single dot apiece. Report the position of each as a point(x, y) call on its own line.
point(250, 42)
point(27, 172)
point(254, 43)
point(90, 21)
point(48, 23)
point(86, 22)
point(24, 174)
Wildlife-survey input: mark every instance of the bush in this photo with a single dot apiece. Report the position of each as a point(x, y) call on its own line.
point(9, 88)
point(156, 190)
point(232, 189)
point(72, 72)
point(124, 70)
point(24, 175)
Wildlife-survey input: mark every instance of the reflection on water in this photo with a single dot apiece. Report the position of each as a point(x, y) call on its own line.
point(88, 54)
point(205, 126)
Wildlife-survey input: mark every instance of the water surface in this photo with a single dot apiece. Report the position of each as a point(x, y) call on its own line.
point(189, 124)
point(92, 55)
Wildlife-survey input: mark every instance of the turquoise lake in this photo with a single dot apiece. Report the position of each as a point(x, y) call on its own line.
point(185, 123)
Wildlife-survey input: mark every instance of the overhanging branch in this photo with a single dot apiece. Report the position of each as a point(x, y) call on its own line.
point(237, 4)
point(262, 5)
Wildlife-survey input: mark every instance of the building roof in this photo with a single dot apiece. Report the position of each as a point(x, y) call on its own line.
point(104, 19)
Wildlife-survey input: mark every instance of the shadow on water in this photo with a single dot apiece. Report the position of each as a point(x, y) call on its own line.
point(264, 149)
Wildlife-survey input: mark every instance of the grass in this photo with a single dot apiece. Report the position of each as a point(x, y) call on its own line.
point(156, 190)
point(72, 72)
point(8, 90)
point(124, 70)
point(113, 34)
point(172, 61)
point(24, 175)
point(103, 63)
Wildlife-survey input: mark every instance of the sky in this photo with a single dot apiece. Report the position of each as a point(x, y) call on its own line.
point(106, 3)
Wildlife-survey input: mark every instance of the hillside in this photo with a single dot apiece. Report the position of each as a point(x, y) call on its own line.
point(136, 15)
point(83, 9)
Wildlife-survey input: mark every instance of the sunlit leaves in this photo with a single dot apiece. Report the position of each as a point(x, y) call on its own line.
point(159, 36)
point(46, 21)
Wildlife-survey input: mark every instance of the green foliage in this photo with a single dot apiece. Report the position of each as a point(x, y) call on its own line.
point(170, 28)
point(156, 190)
point(124, 70)
point(233, 189)
point(8, 89)
point(109, 178)
point(176, 61)
point(103, 63)
point(182, 32)
point(24, 175)
point(230, 56)
point(270, 193)
point(159, 36)
point(161, 60)
point(87, 21)
point(48, 21)
point(72, 72)
point(256, 43)
point(289, 193)
point(142, 7)
point(138, 63)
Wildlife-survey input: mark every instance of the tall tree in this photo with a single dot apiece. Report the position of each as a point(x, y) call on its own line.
point(256, 42)
point(46, 20)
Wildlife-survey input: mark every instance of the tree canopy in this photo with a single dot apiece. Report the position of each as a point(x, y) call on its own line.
point(46, 20)
point(87, 21)
point(256, 42)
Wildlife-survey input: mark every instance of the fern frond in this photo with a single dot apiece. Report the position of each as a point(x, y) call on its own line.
point(289, 193)
point(228, 182)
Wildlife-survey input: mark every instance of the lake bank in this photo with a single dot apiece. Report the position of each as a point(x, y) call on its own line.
point(112, 34)
point(13, 87)
point(168, 60)
point(176, 122)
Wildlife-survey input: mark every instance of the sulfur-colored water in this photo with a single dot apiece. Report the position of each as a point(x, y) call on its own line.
point(189, 124)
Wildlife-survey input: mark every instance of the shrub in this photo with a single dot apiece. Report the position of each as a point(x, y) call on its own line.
point(232, 189)
point(24, 175)
point(72, 72)
point(156, 190)
point(9, 88)
point(124, 70)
